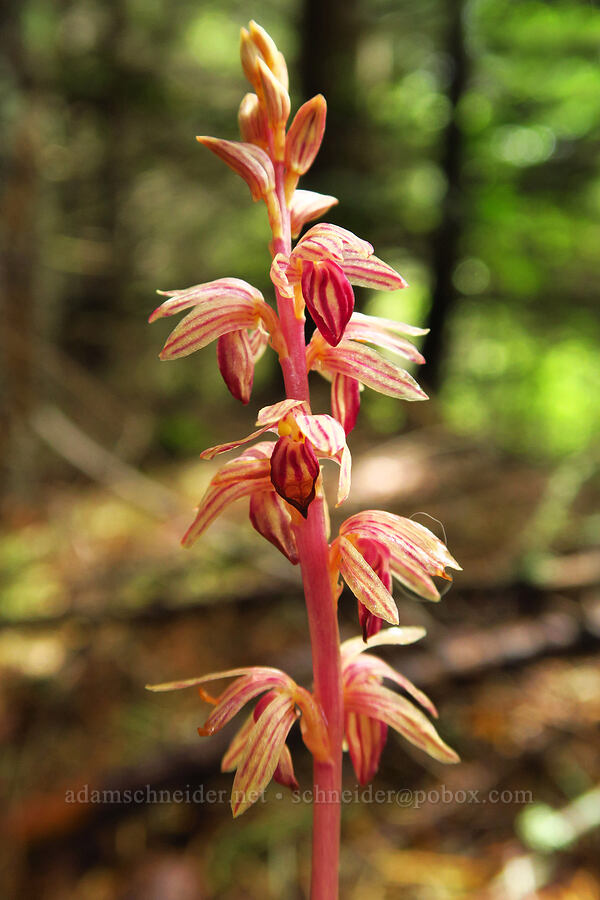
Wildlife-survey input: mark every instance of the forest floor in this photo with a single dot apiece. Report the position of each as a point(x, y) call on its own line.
point(99, 599)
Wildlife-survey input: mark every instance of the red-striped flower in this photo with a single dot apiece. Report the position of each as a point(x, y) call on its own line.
point(303, 438)
point(258, 752)
point(321, 270)
point(233, 313)
point(404, 549)
point(370, 708)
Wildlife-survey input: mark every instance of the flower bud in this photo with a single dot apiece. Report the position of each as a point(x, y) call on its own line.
point(264, 43)
point(276, 98)
point(236, 363)
point(305, 135)
point(329, 297)
point(294, 472)
point(249, 56)
point(251, 122)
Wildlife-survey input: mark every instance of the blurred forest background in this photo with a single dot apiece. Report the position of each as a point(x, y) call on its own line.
point(463, 141)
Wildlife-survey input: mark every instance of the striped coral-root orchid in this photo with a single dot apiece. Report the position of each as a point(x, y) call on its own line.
point(348, 704)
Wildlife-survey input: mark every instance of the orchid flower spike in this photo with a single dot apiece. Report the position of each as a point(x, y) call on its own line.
point(258, 751)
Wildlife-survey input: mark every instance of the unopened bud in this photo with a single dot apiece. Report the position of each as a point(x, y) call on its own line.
point(275, 96)
point(252, 122)
point(264, 43)
point(249, 56)
point(305, 135)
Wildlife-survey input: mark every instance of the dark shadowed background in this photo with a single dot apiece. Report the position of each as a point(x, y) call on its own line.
point(463, 141)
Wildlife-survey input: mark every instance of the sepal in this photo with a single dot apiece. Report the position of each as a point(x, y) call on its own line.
point(250, 162)
point(306, 206)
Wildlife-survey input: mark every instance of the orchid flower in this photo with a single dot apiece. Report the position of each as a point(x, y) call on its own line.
point(303, 438)
point(369, 707)
point(222, 310)
point(258, 751)
point(374, 546)
point(321, 270)
point(282, 477)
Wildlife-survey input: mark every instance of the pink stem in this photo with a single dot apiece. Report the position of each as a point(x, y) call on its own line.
point(313, 551)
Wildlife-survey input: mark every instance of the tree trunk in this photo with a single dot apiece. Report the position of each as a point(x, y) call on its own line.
point(445, 246)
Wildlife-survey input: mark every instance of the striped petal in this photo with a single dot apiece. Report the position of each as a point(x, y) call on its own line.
point(270, 516)
point(206, 323)
point(372, 332)
point(372, 699)
point(235, 752)
point(258, 342)
point(345, 401)
point(313, 725)
point(351, 243)
point(221, 291)
point(389, 325)
point(279, 272)
point(259, 671)
point(325, 434)
point(399, 529)
point(328, 296)
point(244, 689)
point(370, 368)
point(306, 206)
point(367, 666)
point(319, 243)
point(413, 575)
point(247, 160)
point(271, 415)
point(398, 636)
point(366, 739)
point(239, 481)
point(211, 452)
point(364, 583)
point(371, 272)
point(263, 750)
